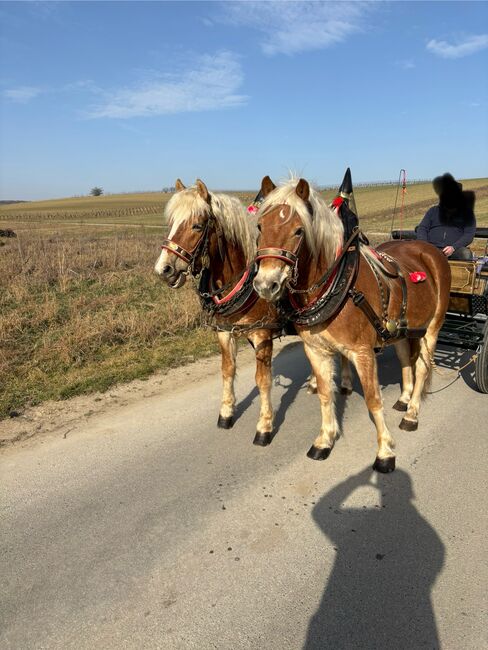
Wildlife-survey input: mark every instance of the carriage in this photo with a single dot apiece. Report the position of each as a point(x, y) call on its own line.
point(466, 323)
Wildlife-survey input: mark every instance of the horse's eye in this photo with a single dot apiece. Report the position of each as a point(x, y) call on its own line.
point(299, 232)
point(198, 227)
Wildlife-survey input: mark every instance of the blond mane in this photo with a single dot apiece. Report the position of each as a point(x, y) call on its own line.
point(323, 230)
point(238, 227)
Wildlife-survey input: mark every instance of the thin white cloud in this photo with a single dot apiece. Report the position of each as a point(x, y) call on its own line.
point(292, 27)
point(210, 85)
point(469, 45)
point(406, 64)
point(22, 94)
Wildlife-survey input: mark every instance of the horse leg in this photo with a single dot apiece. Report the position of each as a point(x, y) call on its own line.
point(403, 351)
point(423, 375)
point(262, 342)
point(346, 376)
point(228, 348)
point(322, 363)
point(366, 367)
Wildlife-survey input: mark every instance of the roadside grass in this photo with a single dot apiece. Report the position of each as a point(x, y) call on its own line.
point(80, 306)
point(79, 314)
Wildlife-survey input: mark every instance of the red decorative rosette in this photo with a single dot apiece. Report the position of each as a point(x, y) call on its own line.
point(252, 209)
point(418, 276)
point(337, 202)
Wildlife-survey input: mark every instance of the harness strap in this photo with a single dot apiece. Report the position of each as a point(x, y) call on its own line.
point(359, 300)
point(178, 250)
point(346, 249)
point(235, 290)
point(277, 253)
point(394, 329)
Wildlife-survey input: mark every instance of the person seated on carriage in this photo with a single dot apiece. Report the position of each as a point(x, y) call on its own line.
point(450, 225)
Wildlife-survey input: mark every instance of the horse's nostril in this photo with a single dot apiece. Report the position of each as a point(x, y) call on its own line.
point(167, 269)
point(274, 287)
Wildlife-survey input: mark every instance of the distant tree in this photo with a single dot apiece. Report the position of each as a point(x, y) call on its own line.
point(96, 191)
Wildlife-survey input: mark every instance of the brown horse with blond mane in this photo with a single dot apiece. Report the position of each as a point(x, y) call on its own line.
point(301, 238)
point(213, 237)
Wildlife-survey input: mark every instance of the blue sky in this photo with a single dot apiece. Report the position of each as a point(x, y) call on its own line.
point(132, 95)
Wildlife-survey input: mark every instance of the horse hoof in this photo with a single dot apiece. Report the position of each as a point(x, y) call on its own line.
point(346, 391)
point(384, 465)
point(315, 453)
point(262, 439)
point(400, 406)
point(312, 390)
point(225, 423)
point(408, 425)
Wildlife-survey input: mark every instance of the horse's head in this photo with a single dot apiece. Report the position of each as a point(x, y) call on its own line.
point(298, 233)
point(280, 240)
point(188, 213)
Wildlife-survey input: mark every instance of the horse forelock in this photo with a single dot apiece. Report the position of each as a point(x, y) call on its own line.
point(323, 230)
point(238, 227)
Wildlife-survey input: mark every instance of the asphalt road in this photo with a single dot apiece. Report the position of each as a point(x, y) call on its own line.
point(147, 527)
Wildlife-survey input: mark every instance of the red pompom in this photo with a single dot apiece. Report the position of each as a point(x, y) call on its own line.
point(337, 202)
point(418, 276)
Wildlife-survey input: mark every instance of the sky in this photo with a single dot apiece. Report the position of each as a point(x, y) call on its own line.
point(130, 96)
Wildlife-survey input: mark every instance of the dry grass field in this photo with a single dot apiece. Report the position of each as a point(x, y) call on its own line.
point(80, 307)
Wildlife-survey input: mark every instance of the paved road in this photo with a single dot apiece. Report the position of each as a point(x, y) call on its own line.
point(150, 528)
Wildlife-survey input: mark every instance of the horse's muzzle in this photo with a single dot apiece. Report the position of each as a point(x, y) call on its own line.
point(268, 287)
point(173, 277)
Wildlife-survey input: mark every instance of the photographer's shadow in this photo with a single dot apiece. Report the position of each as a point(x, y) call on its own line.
point(387, 560)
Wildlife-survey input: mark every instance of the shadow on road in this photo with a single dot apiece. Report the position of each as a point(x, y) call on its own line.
point(450, 358)
point(387, 560)
point(291, 376)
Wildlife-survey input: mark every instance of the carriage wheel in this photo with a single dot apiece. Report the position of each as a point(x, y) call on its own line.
point(481, 368)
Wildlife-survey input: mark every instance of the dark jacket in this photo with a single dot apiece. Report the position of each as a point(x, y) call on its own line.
point(455, 232)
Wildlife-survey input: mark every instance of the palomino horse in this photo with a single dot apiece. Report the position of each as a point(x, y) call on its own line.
point(213, 235)
point(300, 240)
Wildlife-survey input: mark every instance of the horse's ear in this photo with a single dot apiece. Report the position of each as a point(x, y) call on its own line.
point(267, 186)
point(303, 189)
point(179, 187)
point(202, 189)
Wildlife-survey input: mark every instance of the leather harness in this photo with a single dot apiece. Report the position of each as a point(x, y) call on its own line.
point(337, 285)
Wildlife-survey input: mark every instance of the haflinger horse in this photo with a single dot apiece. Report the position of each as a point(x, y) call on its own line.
point(212, 236)
point(302, 257)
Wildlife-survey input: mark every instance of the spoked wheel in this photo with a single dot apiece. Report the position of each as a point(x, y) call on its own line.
point(481, 368)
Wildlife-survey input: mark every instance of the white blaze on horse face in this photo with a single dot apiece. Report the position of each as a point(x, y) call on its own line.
point(166, 258)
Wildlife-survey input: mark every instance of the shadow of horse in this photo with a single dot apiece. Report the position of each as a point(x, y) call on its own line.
point(387, 560)
point(291, 370)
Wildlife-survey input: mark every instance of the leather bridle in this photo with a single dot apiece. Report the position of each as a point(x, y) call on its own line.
point(283, 254)
point(188, 256)
point(201, 247)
